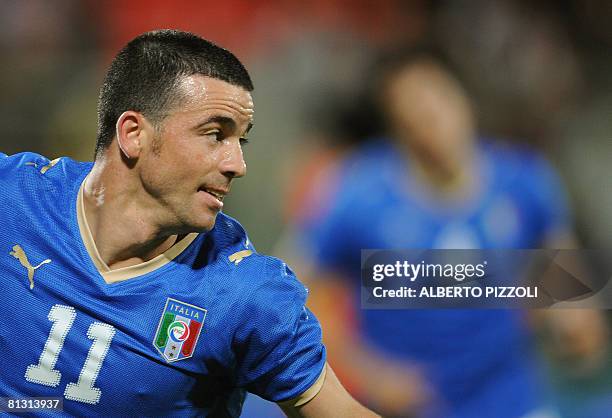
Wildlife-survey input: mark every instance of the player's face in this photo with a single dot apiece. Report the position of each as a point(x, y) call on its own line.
point(429, 112)
point(197, 152)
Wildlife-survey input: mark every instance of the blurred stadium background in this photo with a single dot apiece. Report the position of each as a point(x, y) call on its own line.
point(538, 72)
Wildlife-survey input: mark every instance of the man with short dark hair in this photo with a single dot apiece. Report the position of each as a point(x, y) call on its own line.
point(125, 289)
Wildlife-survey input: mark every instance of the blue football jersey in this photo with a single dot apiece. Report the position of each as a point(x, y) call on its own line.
point(479, 361)
point(184, 334)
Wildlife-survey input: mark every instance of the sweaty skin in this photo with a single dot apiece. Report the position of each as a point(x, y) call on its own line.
point(155, 183)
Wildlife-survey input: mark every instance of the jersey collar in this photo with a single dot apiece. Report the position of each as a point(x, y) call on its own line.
point(124, 273)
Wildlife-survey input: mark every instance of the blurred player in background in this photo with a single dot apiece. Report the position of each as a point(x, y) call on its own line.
point(432, 183)
point(125, 290)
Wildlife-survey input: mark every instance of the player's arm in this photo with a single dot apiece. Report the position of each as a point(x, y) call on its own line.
point(394, 387)
point(280, 352)
point(331, 401)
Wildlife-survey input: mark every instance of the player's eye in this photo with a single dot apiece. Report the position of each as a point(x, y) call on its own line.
point(244, 141)
point(215, 134)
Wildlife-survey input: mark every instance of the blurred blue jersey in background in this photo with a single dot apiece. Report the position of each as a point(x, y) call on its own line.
point(479, 362)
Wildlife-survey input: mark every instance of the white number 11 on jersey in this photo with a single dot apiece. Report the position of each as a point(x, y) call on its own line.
point(44, 373)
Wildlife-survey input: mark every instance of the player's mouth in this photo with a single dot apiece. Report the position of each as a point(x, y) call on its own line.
point(216, 194)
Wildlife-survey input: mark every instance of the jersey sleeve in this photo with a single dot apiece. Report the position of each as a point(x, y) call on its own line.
point(279, 346)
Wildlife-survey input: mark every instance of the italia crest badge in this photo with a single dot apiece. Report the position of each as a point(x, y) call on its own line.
point(178, 330)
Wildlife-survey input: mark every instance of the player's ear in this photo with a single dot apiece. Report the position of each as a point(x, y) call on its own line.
point(132, 130)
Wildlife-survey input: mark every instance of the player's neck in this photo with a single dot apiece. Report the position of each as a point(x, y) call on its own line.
point(121, 218)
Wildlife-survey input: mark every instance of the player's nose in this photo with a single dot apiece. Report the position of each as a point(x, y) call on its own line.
point(232, 163)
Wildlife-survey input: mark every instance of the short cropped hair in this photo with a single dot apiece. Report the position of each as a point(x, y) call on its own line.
point(145, 74)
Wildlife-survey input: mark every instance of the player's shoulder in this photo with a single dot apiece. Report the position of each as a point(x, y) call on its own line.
point(515, 154)
point(38, 186)
point(372, 169)
point(246, 266)
point(373, 153)
point(518, 164)
point(19, 161)
point(33, 166)
point(28, 179)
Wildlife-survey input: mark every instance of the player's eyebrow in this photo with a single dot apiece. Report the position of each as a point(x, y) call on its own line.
point(222, 120)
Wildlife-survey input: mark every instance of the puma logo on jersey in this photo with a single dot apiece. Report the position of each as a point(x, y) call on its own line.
point(239, 256)
point(45, 168)
point(20, 255)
